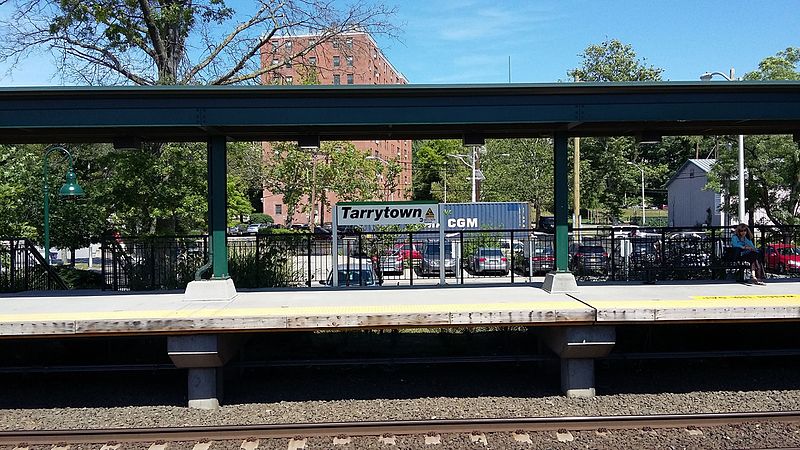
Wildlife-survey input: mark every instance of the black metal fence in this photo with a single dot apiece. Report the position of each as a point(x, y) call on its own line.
point(623, 253)
point(22, 268)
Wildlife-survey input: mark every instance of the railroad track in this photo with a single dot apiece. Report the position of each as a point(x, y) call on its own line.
point(390, 428)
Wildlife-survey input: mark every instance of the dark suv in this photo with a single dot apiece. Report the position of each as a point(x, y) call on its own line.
point(588, 259)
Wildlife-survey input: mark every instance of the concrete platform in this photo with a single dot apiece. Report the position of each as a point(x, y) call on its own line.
point(104, 313)
point(54, 314)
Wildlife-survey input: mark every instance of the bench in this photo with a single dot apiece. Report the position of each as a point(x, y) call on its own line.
point(731, 261)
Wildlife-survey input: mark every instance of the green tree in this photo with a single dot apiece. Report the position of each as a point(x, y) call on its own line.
point(772, 162)
point(435, 172)
point(606, 179)
point(519, 170)
point(337, 167)
point(188, 42)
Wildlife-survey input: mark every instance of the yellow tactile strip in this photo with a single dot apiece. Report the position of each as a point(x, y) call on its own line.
point(695, 302)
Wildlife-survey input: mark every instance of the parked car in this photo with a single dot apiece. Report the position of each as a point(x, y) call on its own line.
point(484, 260)
point(507, 247)
point(392, 263)
point(356, 272)
point(645, 252)
point(588, 259)
point(687, 249)
point(542, 260)
point(782, 258)
point(253, 228)
point(409, 250)
point(431, 259)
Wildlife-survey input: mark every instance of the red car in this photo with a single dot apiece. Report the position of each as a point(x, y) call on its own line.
point(782, 258)
point(405, 250)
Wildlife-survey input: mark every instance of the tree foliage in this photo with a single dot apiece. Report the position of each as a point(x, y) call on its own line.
point(187, 42)
point(338, 167)
point(435, 172)
point(612, 60)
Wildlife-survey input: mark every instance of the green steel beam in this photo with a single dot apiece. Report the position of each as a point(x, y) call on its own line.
point(561, 200)
point(396, 112)
point(217, 205)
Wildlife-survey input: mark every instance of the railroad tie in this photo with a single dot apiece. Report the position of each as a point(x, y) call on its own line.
point(521, 436)
point(564, 436)
point(249, 445)
point(476, 438)
point(110, 447)
point(202, 446)
point(296, 444)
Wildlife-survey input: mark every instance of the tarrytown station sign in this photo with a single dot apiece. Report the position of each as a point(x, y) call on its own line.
point(399, 213)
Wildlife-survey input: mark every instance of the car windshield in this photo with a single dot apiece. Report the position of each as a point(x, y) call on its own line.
point(591, 249)
point(355, 277)
point(432, 251)
point(790, 251)
point(490, 252)
point(543, 251)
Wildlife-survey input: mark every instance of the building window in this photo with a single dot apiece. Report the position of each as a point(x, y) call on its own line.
point(311, 43)
point(288, 64)
point(274, 45)
point(274, 61)
point(289, 80)
point(278, 209)
point(349, 42)
point(349, 61)
point(336, 62)
point(335, 43)
point(336, 79)
point(288, 45)
point(349, 78)
point(312, 60)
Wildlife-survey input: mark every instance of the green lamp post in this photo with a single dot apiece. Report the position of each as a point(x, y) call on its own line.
point(69, 191)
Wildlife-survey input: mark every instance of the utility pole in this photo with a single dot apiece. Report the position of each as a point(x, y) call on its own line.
point(576, 178)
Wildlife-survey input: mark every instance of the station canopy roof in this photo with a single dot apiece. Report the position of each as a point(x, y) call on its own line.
point(275, 113)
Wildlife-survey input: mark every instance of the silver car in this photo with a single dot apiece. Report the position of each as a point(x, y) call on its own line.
point(392, 263)
point(430, 262)
point(486, 260)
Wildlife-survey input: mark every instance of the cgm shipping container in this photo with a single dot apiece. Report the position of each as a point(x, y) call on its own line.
point(485, 216)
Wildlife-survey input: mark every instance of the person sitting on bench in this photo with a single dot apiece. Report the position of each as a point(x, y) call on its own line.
point(743, 239)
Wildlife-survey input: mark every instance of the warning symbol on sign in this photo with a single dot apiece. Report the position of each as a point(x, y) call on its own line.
point(430, 216)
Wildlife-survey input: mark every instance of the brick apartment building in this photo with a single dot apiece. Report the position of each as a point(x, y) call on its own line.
point(352, 58)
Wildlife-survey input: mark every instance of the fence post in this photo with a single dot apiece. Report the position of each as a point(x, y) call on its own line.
point(258, 258)
point(12, 270)
point(360, 262)
point(309, 259)
point(613, 256)
point(411, 258)
point(511, 256)
point(461, 255)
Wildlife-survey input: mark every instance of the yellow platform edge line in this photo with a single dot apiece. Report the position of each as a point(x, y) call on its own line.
point(202, 313)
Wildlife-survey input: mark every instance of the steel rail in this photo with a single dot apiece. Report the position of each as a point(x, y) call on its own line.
point(377, 428)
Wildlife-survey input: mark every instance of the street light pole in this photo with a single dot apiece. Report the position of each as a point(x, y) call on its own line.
point(70, 190)
point(641, 168)
point(707, 77)
point(471, 165)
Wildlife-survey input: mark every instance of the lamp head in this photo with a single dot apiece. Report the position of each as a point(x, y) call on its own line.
point(648, 137)
point(71, 190)
point(308, 142)
point(706, 76)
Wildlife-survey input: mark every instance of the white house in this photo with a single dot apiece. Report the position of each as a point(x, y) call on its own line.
point(689, 203)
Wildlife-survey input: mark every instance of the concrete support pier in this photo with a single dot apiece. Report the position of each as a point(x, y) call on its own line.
point(578, 347)
point(560, 282)
point(204, 355)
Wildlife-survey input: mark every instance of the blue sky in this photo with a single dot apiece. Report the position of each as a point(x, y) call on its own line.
point(470, 41)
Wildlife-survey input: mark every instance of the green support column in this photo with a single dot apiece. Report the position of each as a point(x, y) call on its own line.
point(217, 205)
point(561, 207)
